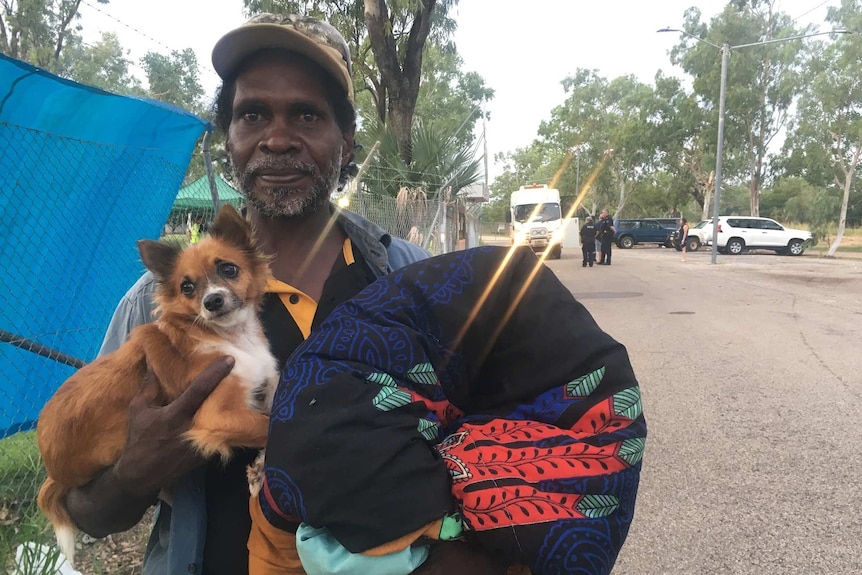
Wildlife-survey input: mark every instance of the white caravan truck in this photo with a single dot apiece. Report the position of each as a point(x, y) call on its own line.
point(536, 218)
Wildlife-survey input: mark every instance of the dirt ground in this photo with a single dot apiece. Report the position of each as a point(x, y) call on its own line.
point(118, 554)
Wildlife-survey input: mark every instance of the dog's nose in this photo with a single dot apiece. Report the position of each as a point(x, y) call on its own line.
point(214, 302)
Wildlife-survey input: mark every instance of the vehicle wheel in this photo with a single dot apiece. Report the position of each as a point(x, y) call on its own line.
point(722, 251)
point(795, 248)
point(556, 253)
point(735, 246)
point(626, 242)
point(692, 244)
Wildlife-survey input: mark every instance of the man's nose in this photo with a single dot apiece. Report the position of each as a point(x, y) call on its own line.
point(280, 137)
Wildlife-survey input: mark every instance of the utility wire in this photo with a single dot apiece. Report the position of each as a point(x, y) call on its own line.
point(130, 27)
point(810, 11)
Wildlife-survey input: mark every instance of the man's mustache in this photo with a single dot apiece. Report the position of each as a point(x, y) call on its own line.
point(281, 164)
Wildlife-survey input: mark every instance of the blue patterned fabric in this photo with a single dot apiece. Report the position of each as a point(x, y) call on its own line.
point(473, 383)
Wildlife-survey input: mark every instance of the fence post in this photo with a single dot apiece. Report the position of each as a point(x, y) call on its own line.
point(208, 162)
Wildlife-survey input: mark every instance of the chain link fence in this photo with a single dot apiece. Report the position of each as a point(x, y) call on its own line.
point(64, 270)
point(419, 221)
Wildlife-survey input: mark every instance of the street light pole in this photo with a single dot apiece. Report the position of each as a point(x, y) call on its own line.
point(719, 152)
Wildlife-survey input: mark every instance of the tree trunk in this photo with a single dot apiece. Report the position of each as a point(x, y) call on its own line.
point(754, 191)
point(622, 202)
point(707, 195)
point(842, 218)
point(400, 79)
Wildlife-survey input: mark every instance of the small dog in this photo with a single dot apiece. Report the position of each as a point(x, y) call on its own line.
point(208, 296)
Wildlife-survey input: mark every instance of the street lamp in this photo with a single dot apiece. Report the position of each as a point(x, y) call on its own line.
point(725, 56)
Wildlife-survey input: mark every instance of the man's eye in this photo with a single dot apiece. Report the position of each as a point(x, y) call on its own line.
point(227, 270)
point(251, 117)
point(187, 287)
point(308, 117)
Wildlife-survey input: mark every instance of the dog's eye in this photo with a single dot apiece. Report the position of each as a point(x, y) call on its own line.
point(187, 287)
point(227, 270)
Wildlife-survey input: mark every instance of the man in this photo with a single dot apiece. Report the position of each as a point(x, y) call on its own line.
point(588, 242)
point(286, 106)
point(605, 234)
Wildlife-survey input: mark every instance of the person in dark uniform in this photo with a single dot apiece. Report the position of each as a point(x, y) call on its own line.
point(588, 241)
point(605, 233)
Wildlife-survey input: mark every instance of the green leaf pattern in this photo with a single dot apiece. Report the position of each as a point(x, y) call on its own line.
point(428, 429)
point(380, 379)
point(596, 506)
point(586, 384)
point(627, 403)
point(422, 374)
point(632, 450)
point(390, 398)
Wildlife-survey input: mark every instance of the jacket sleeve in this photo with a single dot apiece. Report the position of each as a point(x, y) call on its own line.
point(401, 253)
point(135, 308)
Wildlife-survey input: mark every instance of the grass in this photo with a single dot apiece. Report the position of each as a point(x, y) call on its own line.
point(21, 474)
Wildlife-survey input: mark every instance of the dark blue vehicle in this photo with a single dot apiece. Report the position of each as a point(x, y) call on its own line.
point(633, 232)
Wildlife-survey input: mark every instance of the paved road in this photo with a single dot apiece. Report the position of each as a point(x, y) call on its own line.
point(751, 373)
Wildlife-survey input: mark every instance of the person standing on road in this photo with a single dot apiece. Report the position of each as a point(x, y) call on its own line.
point(605, 233)
point(588, 241)
point(682, 236)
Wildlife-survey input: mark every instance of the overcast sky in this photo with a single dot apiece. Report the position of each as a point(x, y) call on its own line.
point(523, 50)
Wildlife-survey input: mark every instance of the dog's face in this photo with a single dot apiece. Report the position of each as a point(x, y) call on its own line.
point(218, 281)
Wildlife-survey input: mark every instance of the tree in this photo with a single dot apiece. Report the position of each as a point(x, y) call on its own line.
point(388, 42)
point(400, 63)
point(175, 79)
point(830, 109)
point(37, 31)
point(103, 65)
point(762, 81)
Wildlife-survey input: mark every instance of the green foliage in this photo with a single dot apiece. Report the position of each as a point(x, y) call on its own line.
point(21, 474)
point(37, 31)
point(104, 65)
point(762, 81)
point(438, 160)
point(175, 79)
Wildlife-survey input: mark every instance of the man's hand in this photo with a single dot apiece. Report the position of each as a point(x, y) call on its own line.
point(155, 456)
point(156, 452)
point(459, 558)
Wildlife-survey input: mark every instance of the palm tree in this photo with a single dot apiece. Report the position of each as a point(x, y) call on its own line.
point(438, 162)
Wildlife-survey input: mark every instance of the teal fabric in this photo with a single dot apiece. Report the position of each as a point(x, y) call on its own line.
point(322, 554)
point(84, 174)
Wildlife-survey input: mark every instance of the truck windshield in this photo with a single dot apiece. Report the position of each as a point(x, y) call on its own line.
point(545, 213)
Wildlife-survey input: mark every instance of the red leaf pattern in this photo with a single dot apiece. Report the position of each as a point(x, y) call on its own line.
point(516, 505)
point(600, 419)
point(495, 451)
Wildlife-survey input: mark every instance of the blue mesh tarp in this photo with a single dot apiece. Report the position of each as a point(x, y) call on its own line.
point(83, 175)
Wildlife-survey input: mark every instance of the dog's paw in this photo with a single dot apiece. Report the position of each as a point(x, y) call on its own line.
point(255, 474)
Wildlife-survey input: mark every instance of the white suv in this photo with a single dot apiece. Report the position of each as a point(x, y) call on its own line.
point(739, 233)
point(699, 235)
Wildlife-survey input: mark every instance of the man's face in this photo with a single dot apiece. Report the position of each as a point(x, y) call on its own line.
point(605, 214)
point(284, 143)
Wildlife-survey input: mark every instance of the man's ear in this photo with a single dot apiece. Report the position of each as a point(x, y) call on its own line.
point(348, 145)
point(159, 257)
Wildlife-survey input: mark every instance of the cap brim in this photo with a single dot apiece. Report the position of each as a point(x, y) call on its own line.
point(238, 44)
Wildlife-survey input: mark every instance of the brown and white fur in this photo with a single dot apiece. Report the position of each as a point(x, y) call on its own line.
point(208, 298)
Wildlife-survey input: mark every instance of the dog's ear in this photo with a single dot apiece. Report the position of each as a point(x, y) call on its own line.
point(231, 227)
point(159, 257)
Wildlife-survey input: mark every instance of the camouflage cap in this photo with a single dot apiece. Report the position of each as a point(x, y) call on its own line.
point(314, 39)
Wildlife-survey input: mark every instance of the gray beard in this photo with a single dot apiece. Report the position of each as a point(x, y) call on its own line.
point(286, 202)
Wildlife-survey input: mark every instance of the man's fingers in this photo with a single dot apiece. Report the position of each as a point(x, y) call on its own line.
point(200, 388)
point(148, 391)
